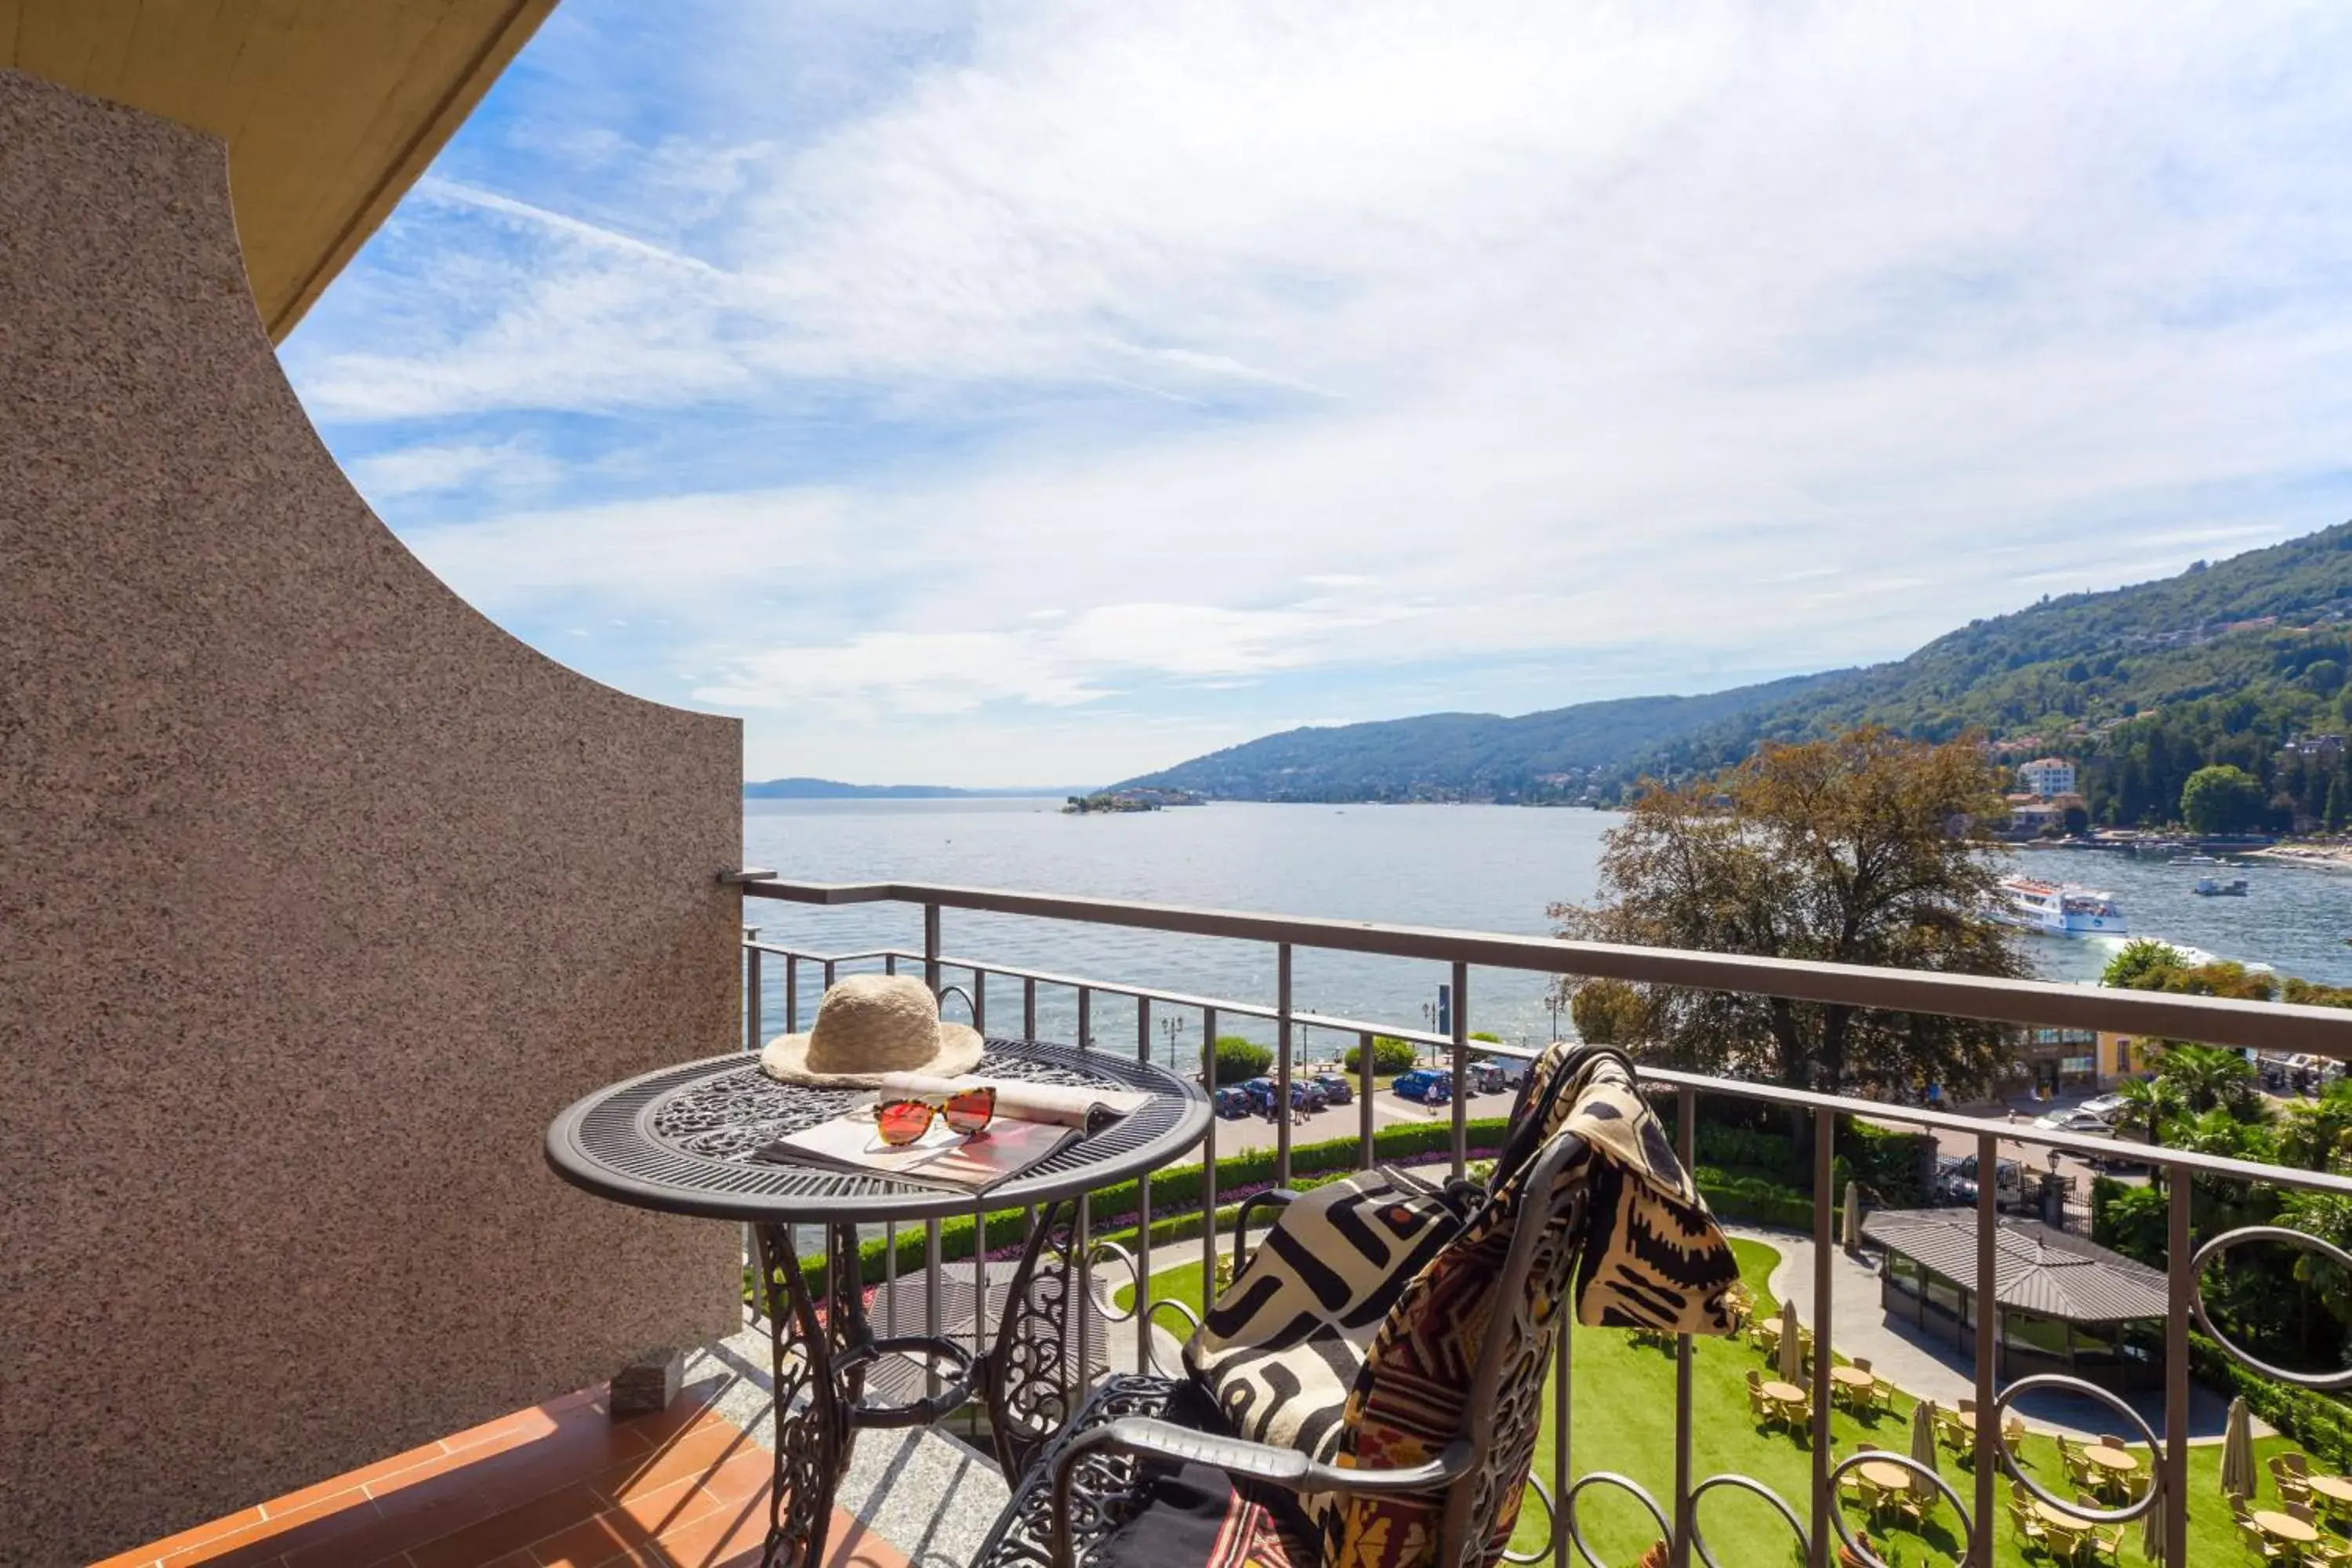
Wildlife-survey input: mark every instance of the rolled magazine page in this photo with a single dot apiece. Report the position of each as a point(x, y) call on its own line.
point(1064, 1105)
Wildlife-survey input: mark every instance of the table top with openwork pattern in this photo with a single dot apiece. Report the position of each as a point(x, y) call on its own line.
point(688, 1139)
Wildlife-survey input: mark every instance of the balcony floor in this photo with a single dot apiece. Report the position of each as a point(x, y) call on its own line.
point(562, 1485)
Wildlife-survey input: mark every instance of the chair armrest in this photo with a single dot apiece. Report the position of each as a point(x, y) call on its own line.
point(1236, 1455)
point(1273, 1198)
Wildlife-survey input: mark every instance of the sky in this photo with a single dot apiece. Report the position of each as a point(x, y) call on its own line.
point(1042, 393)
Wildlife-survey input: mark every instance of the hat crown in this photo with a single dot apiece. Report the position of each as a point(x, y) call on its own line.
point(874, 1023)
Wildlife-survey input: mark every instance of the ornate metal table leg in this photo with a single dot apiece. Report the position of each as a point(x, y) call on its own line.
point(812, 1428)
point(1032, 1379)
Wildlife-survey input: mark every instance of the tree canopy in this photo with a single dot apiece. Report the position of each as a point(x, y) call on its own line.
point(1855, 850)
point(2222, 798)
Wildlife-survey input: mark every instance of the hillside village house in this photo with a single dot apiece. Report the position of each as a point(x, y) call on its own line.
point(2046, 777)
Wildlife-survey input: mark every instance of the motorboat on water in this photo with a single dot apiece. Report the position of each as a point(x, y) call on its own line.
point(2058, 909)
point(2208, 887)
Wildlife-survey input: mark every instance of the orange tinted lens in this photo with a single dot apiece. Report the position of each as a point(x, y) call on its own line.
point(902, 1120)
point(969, 1110)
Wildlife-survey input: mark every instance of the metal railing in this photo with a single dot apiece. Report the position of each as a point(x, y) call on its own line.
point(1820, 1520)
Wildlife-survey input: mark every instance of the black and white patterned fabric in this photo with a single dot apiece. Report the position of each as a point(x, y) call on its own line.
point(1282, 1345)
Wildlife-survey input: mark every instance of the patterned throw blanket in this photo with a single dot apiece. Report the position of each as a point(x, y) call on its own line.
point(1354, 1332)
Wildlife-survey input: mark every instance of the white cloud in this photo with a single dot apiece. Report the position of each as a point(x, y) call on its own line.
point(1229, 346)
point(444, 466)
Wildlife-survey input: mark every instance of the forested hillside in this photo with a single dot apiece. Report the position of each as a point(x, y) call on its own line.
point(1464, 756)
point(2224, 663)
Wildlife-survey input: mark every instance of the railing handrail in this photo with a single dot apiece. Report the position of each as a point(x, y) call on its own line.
point(2213, 1020)
point(1761, 1090)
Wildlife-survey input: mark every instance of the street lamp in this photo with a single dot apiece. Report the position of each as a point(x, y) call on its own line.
point(1174, 1029)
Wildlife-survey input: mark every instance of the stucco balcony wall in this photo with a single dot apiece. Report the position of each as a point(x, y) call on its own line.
point(321, 895)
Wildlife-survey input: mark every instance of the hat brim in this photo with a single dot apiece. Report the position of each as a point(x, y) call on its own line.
point(786, 1060)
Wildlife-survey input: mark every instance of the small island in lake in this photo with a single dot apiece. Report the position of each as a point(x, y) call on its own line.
point(1127, 800)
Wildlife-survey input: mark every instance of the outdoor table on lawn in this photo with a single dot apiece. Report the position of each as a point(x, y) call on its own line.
point(1852, 1379)
point(2114, 1459)
point(1784, 1393)
point(1884, 1481)
point(2338, 1487)
point(688, 1139)
point(2285, 1526)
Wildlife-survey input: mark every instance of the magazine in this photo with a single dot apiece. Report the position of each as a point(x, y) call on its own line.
point(939, 1157)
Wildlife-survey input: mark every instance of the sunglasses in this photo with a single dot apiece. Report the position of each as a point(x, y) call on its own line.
point(968, 1112)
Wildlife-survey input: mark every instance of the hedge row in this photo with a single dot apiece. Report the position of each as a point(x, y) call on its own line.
point(2319, 1422)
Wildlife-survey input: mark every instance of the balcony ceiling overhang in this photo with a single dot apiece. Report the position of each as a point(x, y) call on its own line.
point(330, 108)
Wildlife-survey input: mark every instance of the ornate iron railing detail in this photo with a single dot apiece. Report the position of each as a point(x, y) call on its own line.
point(1043, 1370)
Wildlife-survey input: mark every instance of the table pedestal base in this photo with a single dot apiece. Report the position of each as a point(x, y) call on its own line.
point(820, 1351)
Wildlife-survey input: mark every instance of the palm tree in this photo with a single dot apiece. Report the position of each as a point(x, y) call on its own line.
point(2312, 1135)
point(2210, 1075)
point(2150, 1102)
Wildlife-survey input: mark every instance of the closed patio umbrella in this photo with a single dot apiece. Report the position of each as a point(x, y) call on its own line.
point(2238, 1475)
point(2151, 1527)
point(1792, 1355)
point(1850, 1229)
point(1923, 1433)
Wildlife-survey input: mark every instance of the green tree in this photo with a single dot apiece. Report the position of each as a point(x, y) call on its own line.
point(2212, 1077)
point(2142, 956)
point(2312, 1135)
point(1239, 1058)
point(1391, 1056)
point(1850, 851)
point(1610, 1012)
point(2332, 814)
point(2220, 798)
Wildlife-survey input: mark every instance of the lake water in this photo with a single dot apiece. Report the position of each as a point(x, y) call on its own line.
point(1470, 866)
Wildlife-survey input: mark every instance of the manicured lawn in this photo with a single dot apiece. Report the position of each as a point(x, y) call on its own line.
point(1622, 1420)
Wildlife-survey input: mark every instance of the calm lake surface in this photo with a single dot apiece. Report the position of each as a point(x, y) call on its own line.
point(1472, 867)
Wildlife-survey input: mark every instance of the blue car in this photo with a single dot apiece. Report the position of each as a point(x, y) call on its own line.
point(1233, 1102)
point(1428, 1085)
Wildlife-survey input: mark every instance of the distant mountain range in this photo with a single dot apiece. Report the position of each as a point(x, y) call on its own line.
point(830, 789)
point(2260, 634)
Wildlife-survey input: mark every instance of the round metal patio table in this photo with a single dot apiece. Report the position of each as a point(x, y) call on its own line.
point(698, 1139)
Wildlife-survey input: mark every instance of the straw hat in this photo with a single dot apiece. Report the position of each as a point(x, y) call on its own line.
point(870, 1025)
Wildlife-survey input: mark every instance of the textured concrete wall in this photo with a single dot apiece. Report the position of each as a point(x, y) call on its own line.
point(318, 896)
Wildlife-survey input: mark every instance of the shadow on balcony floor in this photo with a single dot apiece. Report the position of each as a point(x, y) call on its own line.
point(562, 1485)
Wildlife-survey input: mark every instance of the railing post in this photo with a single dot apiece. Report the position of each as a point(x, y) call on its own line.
point(1364, 1140)
point(791, 994)
point(1987, 1292)
point(2182, 1283)
point(1209, 1159)
point(1561, 1407)
point(828, 974)
point(1460, 1068)
point(979, 1000)
point(1824, 1145)
point(932, 1287)
point(1082, 1303)
point(1143, 1211)
point(1028, 1009)
point(931, 947)
point(751, 995)
point(1282, 1064)
point(1686, 1134)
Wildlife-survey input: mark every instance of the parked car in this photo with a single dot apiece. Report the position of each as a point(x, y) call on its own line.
point(1956, 1183)
point(1431, 1086)
point(1304, 1095)
point(1488, 1078)
point(2080, 1122)
point(1307, 1095)
point(1509, 1072)
point(2105, 1107)
point(1233, 1101)
point(1261, 1092)
point(1336, 1091)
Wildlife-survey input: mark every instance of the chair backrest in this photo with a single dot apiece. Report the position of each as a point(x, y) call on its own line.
point(1861, 1363)
point(1755, 1379)
point(1589, 1201)
point(2296, 1463)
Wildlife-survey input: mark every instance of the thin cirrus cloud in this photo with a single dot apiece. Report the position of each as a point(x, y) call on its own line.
point(1318, 358)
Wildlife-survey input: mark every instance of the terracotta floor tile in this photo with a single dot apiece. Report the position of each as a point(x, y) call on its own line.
point(365, 1475)
point(697, 1453)
point(406, 1518)
point(657, 1509)
point(329, 1520)
point(533, 1421)
point(549, 1463)
point(743, 1472)
point(714, 1538)
point(601, 1539)
point(509, 1530)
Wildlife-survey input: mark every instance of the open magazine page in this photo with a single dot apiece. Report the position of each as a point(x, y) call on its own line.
point(940, 1157)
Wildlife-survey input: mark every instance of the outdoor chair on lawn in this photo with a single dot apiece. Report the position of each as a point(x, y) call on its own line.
point(1368, 1391)
point(2101, 1544)
point(2291, 1473)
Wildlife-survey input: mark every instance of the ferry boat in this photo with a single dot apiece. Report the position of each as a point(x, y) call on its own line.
point(2213, 887)
point(2058, 909)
